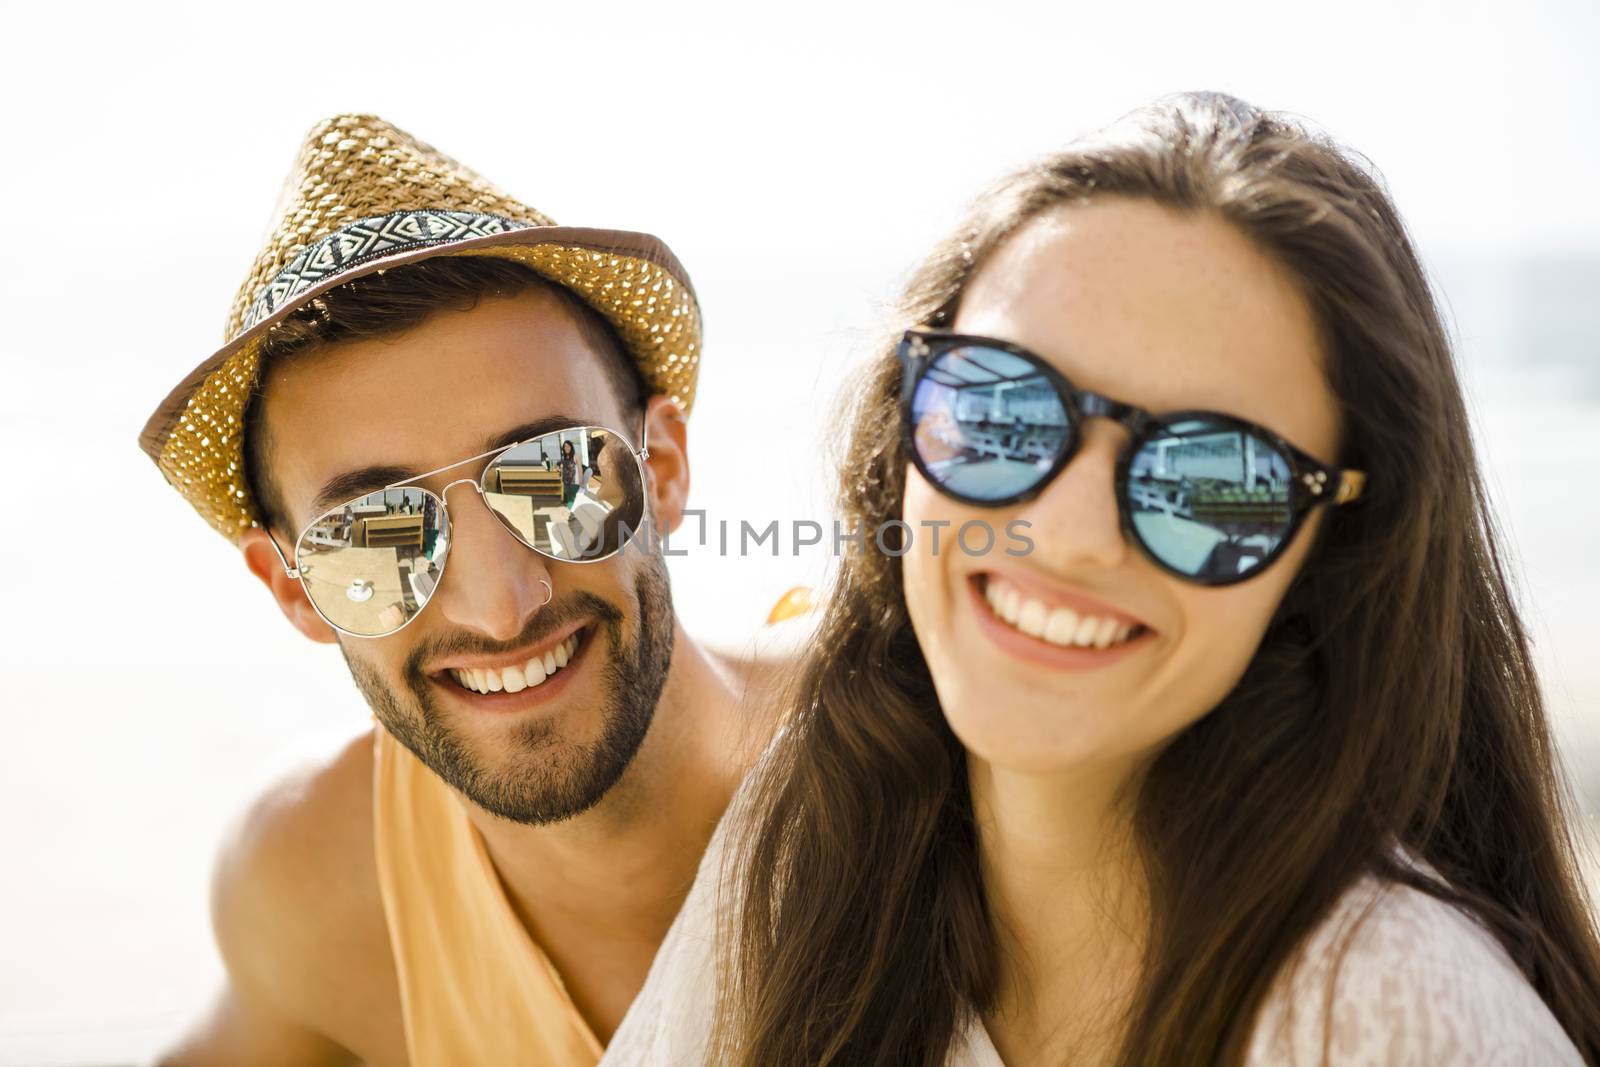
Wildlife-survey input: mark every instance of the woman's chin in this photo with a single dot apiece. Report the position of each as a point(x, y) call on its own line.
point(1021, 732)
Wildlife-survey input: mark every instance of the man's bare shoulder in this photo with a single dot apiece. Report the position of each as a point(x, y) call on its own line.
point(295, 900)
point(306, 840)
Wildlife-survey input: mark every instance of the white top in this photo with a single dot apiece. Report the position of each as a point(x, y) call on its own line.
point(1418, 983)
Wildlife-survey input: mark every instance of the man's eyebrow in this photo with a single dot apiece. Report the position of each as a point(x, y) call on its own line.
point(532, 429)
point(350, 484)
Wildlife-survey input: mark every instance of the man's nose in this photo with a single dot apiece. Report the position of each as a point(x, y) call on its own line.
point(1076, 522)
point(493, 583)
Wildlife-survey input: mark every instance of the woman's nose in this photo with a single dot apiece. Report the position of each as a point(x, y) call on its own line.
point(1075, 522)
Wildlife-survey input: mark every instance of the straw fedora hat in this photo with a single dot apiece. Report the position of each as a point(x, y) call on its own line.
point(364, 196)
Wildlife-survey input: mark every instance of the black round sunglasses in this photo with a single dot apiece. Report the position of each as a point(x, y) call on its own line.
point(1208, 497)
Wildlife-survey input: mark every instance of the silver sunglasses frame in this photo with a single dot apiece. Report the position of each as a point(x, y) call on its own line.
point(639, 456)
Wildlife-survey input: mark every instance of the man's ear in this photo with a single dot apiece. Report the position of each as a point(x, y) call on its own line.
point(264, 562)
point(667, 437)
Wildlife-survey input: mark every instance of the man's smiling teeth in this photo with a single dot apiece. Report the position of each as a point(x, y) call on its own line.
point(1059, 626)
point(516, 679)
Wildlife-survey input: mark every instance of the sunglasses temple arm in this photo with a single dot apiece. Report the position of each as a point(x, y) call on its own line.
point(1350, 485)
point(911, 370)
point(288, 571)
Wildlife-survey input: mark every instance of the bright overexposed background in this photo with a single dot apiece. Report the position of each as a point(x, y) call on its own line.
point(799, 159)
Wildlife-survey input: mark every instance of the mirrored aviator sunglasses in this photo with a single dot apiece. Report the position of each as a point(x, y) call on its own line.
point(1209, 498)
point(371, 564)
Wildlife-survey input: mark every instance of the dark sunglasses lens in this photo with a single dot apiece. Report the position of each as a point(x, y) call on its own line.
point(987, 426)
point(1210, 500)
point(574, 494)
point(371, 564)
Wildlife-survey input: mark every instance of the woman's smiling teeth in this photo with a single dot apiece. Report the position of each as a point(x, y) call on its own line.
point(516, 679)
point(1059, 626)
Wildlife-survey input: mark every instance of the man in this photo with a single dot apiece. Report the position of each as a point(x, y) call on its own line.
point(486, 876)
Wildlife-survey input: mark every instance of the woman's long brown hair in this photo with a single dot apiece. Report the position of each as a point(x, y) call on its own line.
point(1393, 697)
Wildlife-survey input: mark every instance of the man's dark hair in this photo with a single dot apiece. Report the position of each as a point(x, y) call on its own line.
point(393, 301)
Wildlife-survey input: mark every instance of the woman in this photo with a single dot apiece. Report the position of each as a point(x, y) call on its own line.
point(1245, 762)
point(569, 474)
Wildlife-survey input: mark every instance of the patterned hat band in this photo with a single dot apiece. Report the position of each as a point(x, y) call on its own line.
point(364, 196)
point(371, 238)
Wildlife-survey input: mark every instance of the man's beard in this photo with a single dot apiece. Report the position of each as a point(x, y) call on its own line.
point(546, 780)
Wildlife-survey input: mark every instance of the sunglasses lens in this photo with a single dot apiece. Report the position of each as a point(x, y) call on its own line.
point(1210, 500)
point(576, 494)
point(371, 564)
point(986, 425)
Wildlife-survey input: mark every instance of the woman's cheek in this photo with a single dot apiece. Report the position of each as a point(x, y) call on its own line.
point(927, 600)
point(1223, 628)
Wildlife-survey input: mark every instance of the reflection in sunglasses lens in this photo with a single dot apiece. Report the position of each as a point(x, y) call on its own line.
point(575, 494)
point(1210, 500)
point(987, 425)
point(371, 564)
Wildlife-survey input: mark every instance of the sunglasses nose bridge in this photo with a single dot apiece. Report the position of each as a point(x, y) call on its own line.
point(444, 497)
point(445, 492)
point(1096, 406)
point(444, 500)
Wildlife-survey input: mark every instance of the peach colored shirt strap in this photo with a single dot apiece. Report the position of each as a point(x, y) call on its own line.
point(474, 986)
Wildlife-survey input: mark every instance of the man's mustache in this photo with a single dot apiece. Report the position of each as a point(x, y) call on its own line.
point(556, 615)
